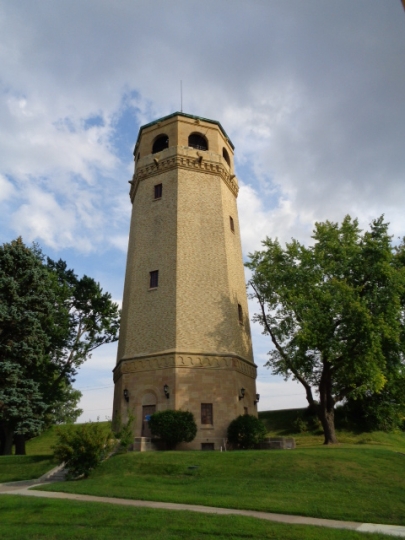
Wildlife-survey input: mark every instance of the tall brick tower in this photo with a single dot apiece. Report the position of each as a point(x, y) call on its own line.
point(185, 336)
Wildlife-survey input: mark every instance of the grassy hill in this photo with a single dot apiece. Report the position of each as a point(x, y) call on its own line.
point(361, 479)
point(38, 461)
point(283, 423)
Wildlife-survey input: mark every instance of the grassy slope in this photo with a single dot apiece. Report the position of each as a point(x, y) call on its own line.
point(23, 517)
point(14, 468)
point(280, 424)
point(44, 442)
point(37, 461)
point(361, 480)
point(338, 483)
point(42, 445)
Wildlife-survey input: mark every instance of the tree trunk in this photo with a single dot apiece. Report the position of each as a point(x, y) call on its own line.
point(19, 441)
point(327, 419)
point(326, 406)
point(6, 440)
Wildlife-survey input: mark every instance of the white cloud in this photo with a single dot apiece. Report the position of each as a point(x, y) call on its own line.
point(120, 242)
point(7, 190)
point(311, 93)
point(277, 219)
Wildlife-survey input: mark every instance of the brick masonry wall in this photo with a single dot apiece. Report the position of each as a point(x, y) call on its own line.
point(186, 333)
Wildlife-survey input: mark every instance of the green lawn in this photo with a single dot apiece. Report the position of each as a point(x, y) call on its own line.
point(281, 424)
point(361, 480)
point(37, 461)
point(43, 443)
point(14, 468)
point(361, 484)
point(44, 519)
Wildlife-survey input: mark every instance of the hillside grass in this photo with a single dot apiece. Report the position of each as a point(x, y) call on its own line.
point(355, 484)
point(46, 519)
point(362, 479)
point(43, 443)
point(281, 424)
point(14, 468)
point(38, 461)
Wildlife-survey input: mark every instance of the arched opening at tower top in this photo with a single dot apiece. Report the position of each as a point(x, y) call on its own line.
point(160, 144)
point(198, 141)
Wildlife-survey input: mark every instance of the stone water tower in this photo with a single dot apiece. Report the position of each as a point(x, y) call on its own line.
point(185, 337)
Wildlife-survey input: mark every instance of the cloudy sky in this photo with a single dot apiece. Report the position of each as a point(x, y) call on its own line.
point(310, 92)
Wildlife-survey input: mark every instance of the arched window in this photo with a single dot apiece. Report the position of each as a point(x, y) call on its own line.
point(198, 141)
point(225, 155)
point(160, 144)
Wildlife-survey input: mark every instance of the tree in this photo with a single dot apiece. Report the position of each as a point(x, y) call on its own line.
point(246, 431)
point(65, 410)
point(333, 312)
point(173, 427)
point(27, 312)
point(384, 410)
point(21, 404)
point(50, 321)
point(87, 319)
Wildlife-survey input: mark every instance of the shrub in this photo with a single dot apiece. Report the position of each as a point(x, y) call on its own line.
point(173, 427)
point(82, 447)
point(246, 431)
point(123, 433)
point(299, 425)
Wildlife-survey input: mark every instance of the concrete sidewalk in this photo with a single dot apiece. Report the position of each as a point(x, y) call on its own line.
point(22, 488)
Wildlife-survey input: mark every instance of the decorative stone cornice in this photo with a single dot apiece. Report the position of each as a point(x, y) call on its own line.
point(190, 361)
point(199, 163)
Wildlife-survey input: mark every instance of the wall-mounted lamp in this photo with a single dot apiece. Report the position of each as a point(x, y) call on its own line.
point(257, 399)
point(126, 395)
point(166, 391)
point(242, 393)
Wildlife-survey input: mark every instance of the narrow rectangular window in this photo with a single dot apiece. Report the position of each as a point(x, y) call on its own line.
point(245, 411)
point(206, 414)
point(153, 279)
point(158, 191)
point(231, 223)
point(240, 314)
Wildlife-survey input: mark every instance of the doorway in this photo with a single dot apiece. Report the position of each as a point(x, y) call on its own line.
point(147, 410)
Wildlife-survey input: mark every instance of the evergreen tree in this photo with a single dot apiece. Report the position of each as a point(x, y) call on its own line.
point(27, 319)
point(50, 322)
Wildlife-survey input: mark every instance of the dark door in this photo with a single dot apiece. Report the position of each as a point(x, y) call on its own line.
point(147, 410)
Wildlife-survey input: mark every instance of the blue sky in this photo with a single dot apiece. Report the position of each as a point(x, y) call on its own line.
point(311, 94)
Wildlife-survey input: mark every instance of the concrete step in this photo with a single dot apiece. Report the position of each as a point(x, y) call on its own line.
point(58, 474)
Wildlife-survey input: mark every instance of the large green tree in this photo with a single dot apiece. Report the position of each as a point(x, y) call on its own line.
point(385, 410)
point(88, 318)
point(333, 311)
point(28, 309)
point(50, 322)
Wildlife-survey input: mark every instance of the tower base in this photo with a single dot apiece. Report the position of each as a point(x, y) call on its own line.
point(215, 387)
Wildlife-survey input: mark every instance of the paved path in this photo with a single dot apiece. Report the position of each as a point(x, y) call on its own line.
point(22, 488)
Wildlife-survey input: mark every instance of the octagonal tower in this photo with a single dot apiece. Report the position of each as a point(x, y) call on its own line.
point(185, 336)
